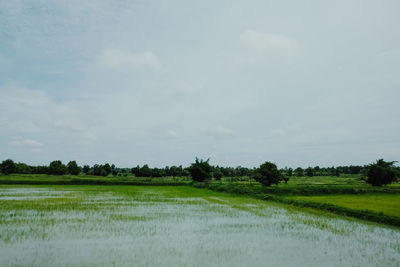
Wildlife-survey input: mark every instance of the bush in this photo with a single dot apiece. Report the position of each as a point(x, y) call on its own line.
point(57, 168)
point(7, 167)
point(286, 178)
point(200, 170)
point(217, 174)
point(268, 174)
point(73, 168)
point(382, 173)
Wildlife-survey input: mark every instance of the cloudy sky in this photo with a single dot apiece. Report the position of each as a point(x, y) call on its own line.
point(160, 82)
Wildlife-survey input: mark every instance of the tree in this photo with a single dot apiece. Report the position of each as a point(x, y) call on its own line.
point(290, 172)
point(217, 173)
point(107, 169)
point(299, 171)
point(382, 173)
point(86, 169)
point(113, 170)
point(73, 168)
point(22, 168)
point(145, 171)
point(268, 174)
point(286, 178)
point(57, 168)
point(200, 170)
point(7, 166)
point(309, 172)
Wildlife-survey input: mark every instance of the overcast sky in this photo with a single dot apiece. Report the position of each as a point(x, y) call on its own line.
point(297, 83)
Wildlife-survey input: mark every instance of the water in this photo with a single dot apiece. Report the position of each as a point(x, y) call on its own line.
point(63, 226)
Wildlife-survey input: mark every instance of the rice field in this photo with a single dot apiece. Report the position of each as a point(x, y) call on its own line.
point(178, 226)
point(388, 204)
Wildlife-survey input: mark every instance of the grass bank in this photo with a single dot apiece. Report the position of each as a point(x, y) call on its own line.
point(364, 214)
point(43, 179)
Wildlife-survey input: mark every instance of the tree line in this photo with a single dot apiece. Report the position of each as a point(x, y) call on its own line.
point(58, 168)
point(202, 171)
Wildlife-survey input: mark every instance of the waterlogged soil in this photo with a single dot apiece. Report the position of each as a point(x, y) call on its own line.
point(177, 226)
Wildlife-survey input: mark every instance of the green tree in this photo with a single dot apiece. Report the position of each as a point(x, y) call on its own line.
point(299, 172)
point(200, 170)
point(7, 166)
point(145, 171)
point(107, 169)
point(22, 168)
point(290, 172)
point(86, 169)
point(113, 170)
point(57, 168)
point(217, 173)
point(73, 168)
point(286, 178)
point(268, 174)
point(309, 172)
point(382, 173)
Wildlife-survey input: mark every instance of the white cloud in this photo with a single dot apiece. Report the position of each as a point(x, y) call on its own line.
point(27, 142)
point(261, 42)
point(29, 110)
point(220, 132)
point(172, 133)
point(115, 58)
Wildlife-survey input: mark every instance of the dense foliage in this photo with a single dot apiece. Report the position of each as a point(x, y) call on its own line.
point(57, 168)
point(200, 170)
point(73, 168)
point(268, 174)
point(7, 167)
point(382, 173)
point(238, 173)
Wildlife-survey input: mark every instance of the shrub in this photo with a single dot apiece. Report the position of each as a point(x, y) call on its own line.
point(268, 174)
point(7, 166)
point(217, 174)
point(200, 170)
point(57, 168)
point(382, 173)
point(73, 168)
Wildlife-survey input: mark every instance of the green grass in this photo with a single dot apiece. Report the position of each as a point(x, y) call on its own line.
point(388, 204)
point(90, 180)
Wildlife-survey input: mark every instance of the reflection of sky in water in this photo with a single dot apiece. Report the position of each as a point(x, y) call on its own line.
point(149, 230)
point(28, 193)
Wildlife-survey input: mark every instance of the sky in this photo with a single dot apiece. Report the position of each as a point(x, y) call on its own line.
point(298, 83)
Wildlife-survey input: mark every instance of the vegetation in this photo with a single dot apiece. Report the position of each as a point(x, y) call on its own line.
point(364, 214)
point(388, 204)
point(200, 170)
point(382, 173)
point(268, 174)
point(85, 226)
point(45, 179)
point(261, 182)
point(57, 168)
point(73, 168)
point(180, 171)
point(7, 167)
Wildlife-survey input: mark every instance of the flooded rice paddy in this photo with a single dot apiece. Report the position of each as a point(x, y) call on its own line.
point(177, 226)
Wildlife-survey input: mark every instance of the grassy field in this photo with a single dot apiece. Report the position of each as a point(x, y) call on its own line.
point(77, 225)
point(90, 180)
point(386, 203)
